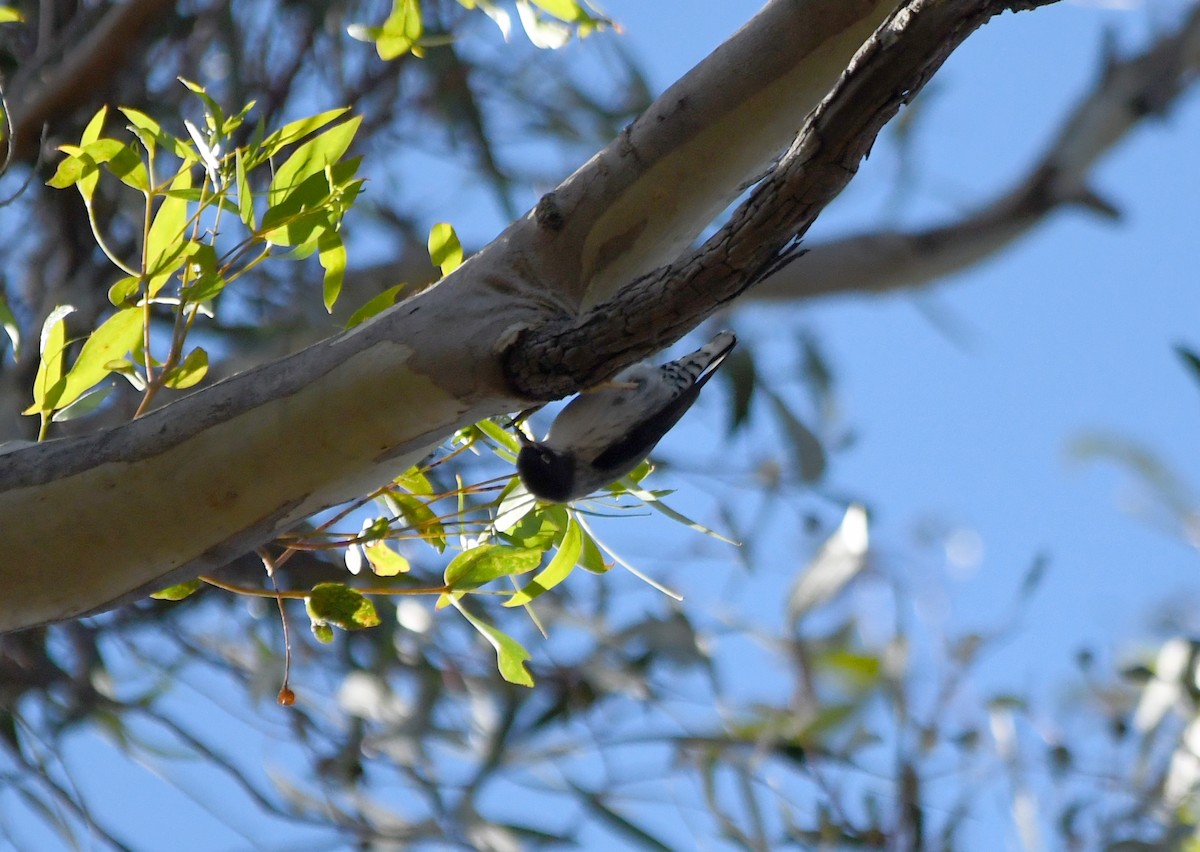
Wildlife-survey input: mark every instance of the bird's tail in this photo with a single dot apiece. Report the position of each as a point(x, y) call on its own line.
point(702, 363)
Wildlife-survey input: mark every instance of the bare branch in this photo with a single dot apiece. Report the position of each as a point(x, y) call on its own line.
point(44, 94)
point(658, 308)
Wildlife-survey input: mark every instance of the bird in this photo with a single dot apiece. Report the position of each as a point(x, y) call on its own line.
point(606, 432)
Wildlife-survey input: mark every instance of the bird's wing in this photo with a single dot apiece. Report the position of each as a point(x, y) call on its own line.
point(637, 442)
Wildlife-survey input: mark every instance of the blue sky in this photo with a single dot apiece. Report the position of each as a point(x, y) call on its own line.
point(1068, 332)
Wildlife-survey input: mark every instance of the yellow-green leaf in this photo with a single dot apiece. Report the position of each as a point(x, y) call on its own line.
point(385, 562)
point(166, 243)
point(420, 517)
point(332, 256)
point(92, 131)
point(445, 250)
point(245, 197)
point(51, 363)
point(507, 440)
point(292, 132)
point(312, 157)
point(399, 33)
point(85, 404)
point(151, 134)
point(9, 15)
point(415, 482)
point(341, 606)
point(119, 334)
point(510, 655)
point(177, 592)
point(125, 292)
point(480, 565)
point(376, 305)
point(559, 569)
point(193, 369)
point(564, 10)
point(592, 558)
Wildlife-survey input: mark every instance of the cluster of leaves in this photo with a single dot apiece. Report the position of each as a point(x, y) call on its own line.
point(204, 227)
point(497, 539)
point(191, 189)
point(548, 23)
point(218, 201)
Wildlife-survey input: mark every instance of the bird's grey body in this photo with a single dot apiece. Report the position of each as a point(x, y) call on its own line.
point(605, 433)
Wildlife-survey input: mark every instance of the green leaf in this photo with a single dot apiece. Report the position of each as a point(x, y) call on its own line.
point(542, 32)
point(51, 363)
point(332, 256)
point(565, 10)
point(128, 371)
point(858, 671)
point(245, 197)
point(592, 558)
point(9, 15)
point(738, 371)
point(421, 518)
point(1190, 359)
point(322, 631)
point(652, 500)
point(82, 167)
point(92, 131)
point(127, 166)
point(514, 505)
point(166, 242)
point(399, 33)
point(291, 132)
point(8, 323)
point(505, 439)
point(510, 655)
point(125, 292)
point(559, 569)
point(341, 606)
point(91, 134)
point(190, 372)
point(205, 281)
point(480, 565)
point(117, 335)
point(539, 530)
point(806, 447)
point(203, 289)
point(152, 135)
point(377, 305)
point(445, 250)
point(385, 562)
point(312, 158)
point(311, 208)
point(414, 481)
point(214, 116)
point(87, 402)
point(177, 592)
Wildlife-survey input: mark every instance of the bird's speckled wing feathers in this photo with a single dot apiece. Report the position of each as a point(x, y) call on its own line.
point(593, 419)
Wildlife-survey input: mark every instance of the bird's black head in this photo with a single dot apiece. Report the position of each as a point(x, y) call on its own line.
point(547, 474)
